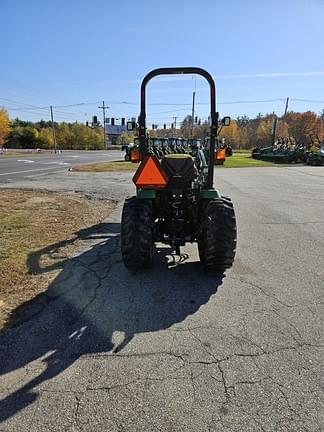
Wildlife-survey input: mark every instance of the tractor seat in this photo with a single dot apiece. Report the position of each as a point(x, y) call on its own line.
point(180, 169)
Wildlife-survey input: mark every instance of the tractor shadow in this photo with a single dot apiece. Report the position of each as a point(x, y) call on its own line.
point(92, 297)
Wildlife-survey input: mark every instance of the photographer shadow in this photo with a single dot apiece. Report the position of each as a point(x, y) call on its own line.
point(93, 297)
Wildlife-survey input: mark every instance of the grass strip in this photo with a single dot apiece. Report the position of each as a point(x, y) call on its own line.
point(238, 160)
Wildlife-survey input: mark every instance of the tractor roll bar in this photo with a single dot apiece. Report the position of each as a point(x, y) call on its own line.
point(213, 113)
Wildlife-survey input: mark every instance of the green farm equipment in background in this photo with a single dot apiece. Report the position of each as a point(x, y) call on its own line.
point(315, 155)
point(285, 150)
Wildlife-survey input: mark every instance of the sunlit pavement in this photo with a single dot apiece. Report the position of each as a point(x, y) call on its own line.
point(31, 166)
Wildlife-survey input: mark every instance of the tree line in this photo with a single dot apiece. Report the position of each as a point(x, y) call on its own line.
point(243, 132)
point(301, 128)
point(246, 133)
point(70, 136)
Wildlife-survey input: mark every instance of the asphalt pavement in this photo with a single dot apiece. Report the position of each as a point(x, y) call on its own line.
point(174, 349)
point(33, 165)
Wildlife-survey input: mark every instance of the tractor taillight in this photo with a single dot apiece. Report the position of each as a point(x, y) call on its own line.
point(150, 174)
point(220, 154)
point(135, 155)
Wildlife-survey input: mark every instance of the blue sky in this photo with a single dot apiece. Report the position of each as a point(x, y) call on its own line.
point(75, 51)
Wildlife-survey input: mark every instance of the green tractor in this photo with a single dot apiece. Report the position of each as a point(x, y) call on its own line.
point(175, 199)
point(315, 155)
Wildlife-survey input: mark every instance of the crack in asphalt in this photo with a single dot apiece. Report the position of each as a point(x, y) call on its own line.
point(245, 338)
point(280, 388)
point(192, 381)
point(225, 385)
point(290, 324)
point(215, 361)
point(77, 407)
point(258, 287)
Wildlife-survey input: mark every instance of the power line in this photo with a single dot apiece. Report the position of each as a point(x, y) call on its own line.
point(76, 104)
point(60, 117)
point(170, 111)
point(31, 107)
point(28, 109)
point(60, 113)
point(199, 103)
point(34, 112)
point(251, 101)
point(44, 113)
point(21, 103)
point(40, 111)
point(307, 100)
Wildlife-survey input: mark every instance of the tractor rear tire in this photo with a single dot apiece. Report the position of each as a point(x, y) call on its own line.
point(217, 240)
point(137, 233)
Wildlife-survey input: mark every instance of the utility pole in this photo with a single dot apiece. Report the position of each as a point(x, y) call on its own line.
point(274, 130)
point(193, 113)
point(175, 122)
point(286, 108)
point(53, 129)
point(104, 107)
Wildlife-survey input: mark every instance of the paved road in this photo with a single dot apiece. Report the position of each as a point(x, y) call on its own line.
point(173, 349)
point(31, 165)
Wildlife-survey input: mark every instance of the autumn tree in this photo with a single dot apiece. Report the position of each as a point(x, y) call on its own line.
point(95, 139)
point(244, 133)
point(263, 132)
point(242, 121)
point(302, 125)
point(64, 136)
point(244, 137)
point(23, 137)
point(4, 126)
point(45, 138)
point(231, 133)
point(282, 128)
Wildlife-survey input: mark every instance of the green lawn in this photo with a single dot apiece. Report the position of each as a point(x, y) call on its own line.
point(242, 160)
point(107, 166)
point(238, 160)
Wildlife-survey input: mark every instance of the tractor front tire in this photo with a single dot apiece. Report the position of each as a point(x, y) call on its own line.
point(137, 233)
point(217, 239)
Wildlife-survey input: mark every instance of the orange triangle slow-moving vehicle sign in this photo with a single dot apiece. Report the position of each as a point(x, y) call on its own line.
point(150, 173)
